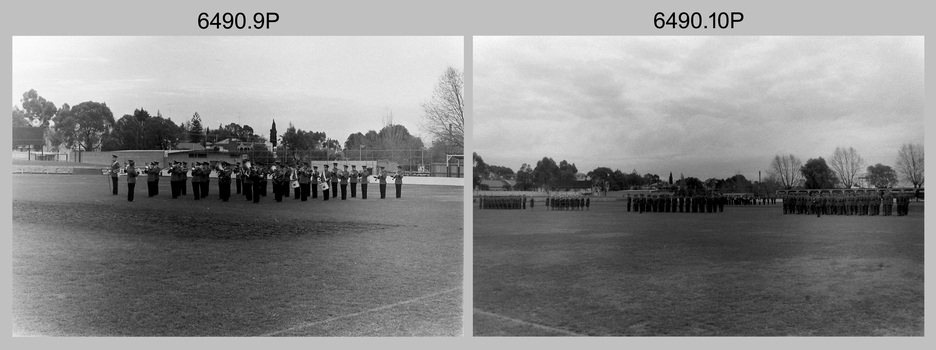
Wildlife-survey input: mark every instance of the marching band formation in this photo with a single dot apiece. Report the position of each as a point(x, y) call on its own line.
point(251, 180)
point(876, 203)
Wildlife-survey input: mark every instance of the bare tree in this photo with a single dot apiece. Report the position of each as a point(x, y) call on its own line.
point(910, 163)
point(846, 163)
point(445, 116)
point(786, 169)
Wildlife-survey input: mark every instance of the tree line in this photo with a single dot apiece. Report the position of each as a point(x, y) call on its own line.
point(845, 168)
point(91, 126)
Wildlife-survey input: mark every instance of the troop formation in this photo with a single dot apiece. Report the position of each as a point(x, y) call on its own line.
point(251, 180)
point(872, 203)
point(503, 202)
point(552, 202)
point(567, 202)
point(662, 203)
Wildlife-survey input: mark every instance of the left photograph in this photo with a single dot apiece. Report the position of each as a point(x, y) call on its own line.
point(237, 186)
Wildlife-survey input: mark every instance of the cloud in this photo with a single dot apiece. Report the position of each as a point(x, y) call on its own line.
point(649, 102)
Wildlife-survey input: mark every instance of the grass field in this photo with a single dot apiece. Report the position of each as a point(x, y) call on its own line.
point(750, 271)
point(87, 263)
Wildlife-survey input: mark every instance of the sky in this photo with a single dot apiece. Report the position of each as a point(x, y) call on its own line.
point(336, 85)
point(706, 107)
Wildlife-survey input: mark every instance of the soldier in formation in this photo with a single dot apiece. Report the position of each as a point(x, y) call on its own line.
point(870, 203)
point(664, 203)
point(501, 202)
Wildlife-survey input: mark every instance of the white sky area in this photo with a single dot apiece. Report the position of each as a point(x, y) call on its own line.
point(339, 85)
point(699, 106)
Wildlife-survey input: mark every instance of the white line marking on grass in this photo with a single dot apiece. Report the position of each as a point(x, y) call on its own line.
point(381, 308)
point(531, 324)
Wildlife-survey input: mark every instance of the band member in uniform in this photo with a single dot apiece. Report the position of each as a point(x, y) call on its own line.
point(354, 180)
point(279, 178)
point(257, 179)
point(224, 180)
point(196, 180)
point(184, 178)
point(263, 173)
point(238, 177)
point(364, 180)
point(131, 179)
point(343, 180)
point(398, 180)
point(206, 178)
point(382, 178)
point(114, 172)
point(333, 178)
point(314, 181)
point(326, 176)
point(174, 179)
point(294, 180)
point(152, 179)
point(304, 177)
point(248, 181)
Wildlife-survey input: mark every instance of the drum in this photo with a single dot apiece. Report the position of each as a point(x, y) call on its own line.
point(324, 186)
point(295, 184)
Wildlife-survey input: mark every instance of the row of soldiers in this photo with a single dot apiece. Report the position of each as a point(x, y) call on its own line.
point(251, 179)
point(503, 202)
point(676, 204)
point(555, 202)
point(750, 200)
point(880, 203)
point(567, 202)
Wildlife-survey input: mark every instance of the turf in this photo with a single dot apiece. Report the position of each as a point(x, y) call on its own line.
point(750, 271)
point(87, 263)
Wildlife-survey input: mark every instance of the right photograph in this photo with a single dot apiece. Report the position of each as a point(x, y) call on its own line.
point(698, 186)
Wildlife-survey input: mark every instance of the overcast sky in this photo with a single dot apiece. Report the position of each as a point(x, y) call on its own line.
point(339, 85)
point(701, 106)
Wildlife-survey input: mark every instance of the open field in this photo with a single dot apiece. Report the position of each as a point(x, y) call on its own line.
point(88, 263)
point(750, 271)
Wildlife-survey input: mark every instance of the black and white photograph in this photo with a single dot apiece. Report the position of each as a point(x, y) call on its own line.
point(232, 186)
point(698, 186)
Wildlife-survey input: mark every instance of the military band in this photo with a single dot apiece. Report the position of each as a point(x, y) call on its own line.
point(304, 179)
